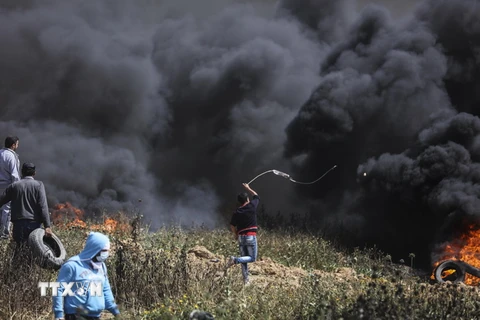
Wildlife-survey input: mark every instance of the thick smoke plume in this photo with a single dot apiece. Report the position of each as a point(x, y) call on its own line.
point(165, 102)
point(175, 104)
point(396, 108)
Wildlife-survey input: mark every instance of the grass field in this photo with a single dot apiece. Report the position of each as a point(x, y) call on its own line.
point(153, 278)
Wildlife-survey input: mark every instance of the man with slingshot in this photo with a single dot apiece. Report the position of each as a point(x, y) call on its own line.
point(244, 228)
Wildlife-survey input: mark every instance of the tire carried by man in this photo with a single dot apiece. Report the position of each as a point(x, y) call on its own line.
point(48, 252)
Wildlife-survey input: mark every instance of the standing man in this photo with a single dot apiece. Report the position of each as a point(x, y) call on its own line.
point(28, 204)
point(244, 228)
point(87, 269)
point(9, 173)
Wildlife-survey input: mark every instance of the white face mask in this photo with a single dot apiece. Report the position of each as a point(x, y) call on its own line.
point(103, 256)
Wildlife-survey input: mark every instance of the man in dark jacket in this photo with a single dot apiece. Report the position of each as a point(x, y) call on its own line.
point(28, 205)
point(244, 228)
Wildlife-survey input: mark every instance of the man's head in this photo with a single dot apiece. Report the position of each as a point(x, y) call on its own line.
point(97, 244)
point(103, 254)
point(28, 169)
point(11, 142)
point(242, 198)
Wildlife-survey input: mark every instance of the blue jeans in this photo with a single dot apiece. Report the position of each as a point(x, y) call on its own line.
point(248, 253)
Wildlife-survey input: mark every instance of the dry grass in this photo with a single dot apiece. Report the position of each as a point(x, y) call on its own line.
point(152, 279)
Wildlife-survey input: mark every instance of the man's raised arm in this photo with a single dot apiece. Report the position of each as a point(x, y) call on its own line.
point(247, 187)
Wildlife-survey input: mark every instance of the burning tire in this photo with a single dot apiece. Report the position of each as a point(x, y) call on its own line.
point(450, 270)
point(48, 251)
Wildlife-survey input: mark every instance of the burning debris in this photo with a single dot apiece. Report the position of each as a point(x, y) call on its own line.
point(65, 215)
point(459, 259)
point(457, 271)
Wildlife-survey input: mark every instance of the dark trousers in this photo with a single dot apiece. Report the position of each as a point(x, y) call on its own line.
point(75, 317)
point(23, 228)
point(22, 259)
point(22, 256)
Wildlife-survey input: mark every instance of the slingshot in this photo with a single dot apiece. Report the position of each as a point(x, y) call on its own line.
point(287, 176)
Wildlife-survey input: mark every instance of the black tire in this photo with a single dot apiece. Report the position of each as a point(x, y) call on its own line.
point(458, 276)
point(49, 252)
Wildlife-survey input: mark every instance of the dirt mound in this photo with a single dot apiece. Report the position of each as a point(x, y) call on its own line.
point(264, 270)
point(200, 252)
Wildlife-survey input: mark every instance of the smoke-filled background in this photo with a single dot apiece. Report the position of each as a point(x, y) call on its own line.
point(177, 103)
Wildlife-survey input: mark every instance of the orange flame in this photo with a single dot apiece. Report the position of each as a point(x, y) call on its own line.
point(65, 215)
point(467, 249)
point(66, 211)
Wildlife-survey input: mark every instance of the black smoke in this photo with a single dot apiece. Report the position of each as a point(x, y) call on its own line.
point(327, 20)
point(396, 108)
point(176, 103)
point(168, 102)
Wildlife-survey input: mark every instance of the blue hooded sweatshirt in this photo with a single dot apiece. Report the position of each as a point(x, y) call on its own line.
point(82, 271)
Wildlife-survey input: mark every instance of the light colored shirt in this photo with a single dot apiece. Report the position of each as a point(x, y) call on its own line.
point(9, 167)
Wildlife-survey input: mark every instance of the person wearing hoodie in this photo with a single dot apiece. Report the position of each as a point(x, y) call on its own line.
point(83, 270)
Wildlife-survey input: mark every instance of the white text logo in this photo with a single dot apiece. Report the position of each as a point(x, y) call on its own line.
point(81, 288)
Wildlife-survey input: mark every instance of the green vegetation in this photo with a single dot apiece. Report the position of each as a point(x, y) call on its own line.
point(152, 279)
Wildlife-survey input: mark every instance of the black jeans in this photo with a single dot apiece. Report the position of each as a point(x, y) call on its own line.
point(23, 228)
point(75, 317)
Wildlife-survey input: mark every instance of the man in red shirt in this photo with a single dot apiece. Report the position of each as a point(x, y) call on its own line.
point(244, 227)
